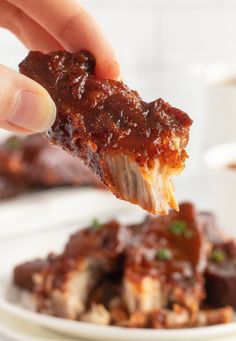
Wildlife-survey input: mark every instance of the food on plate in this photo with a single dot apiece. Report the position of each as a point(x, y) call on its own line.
point(220, 274)
point(30, 162)
point(211, 230)
point(134, 147)
point(146, 275)
point(23, 273)
point(9, 186)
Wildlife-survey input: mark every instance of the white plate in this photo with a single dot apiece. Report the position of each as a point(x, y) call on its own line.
point(54, 209)
point(15, 252)
point(15, 329)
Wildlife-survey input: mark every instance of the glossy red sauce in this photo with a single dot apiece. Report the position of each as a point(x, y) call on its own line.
point(96, 116)
point(138, 246)
point(186, 249)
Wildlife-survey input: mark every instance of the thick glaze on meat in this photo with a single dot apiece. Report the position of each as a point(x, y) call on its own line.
point(180, 232)
point(99, 240)
point(24, 273)
point(220, 274)
point(148, 275)
point(145, 275)
point(64, 286)
point(33, 162)
point(10, 186)
point(168, 266)
point(112, 129)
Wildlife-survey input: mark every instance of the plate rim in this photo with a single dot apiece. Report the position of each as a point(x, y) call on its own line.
point(93, 331)
point(83, 329)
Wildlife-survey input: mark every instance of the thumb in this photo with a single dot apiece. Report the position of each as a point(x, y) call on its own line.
point(25, 106)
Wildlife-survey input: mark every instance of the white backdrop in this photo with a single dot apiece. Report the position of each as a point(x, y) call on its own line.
point(164, 47)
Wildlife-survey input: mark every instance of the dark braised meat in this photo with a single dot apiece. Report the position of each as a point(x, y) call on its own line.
point(64, 287)
point(134, 147)
point(164, 267)
point(220, 275)
point(33, 162)
point(149, 275)
point(211, 230)
point(10, 186)
point(24, 274)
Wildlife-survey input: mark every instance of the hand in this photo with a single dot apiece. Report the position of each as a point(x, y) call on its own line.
point(46, 26)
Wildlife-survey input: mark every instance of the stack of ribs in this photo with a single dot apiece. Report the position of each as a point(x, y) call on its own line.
point(156, 274)
point(134, 147)
point(31, 162)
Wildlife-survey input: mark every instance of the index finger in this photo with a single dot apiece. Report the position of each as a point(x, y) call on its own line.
point(75, 29)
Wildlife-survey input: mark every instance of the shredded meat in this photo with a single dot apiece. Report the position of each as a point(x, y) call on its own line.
point(149, 275)
point(208, 317)
point(161, 271)
point(65, 285)
point(134, 147)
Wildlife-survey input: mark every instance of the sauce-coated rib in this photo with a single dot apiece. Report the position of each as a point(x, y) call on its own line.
point(134, 147)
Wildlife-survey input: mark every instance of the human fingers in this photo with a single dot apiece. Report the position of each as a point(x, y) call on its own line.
point(26, 107)
point(75, 29)
point(32, 35)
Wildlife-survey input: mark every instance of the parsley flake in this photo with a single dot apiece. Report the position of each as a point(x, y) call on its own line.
point(96, 224)
point(13, 143)
point(218, 255)
point(163, 254)
point(178, 227)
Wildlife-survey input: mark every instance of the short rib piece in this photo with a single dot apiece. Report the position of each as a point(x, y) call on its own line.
point(134, 147)
point(35, 163)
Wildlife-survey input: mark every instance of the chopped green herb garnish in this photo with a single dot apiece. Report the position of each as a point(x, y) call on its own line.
point(96, 224)
point(163, 254)
point(13, 143)
point(178, 227)
point(218, 255)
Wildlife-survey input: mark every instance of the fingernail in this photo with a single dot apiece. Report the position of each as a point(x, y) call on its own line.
point(34, 112)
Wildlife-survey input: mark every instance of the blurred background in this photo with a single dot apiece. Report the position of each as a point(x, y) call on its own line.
point(180, 51)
